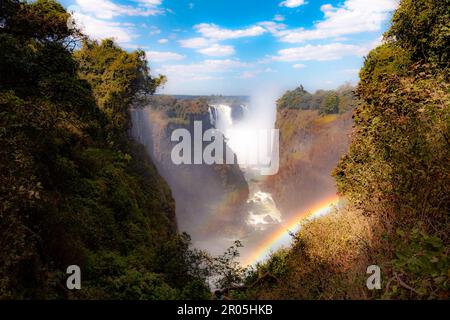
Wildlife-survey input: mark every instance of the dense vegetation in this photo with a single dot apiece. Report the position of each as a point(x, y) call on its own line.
point(326, 101)
point(395, 177)
point(179, 111)
point(73, 188)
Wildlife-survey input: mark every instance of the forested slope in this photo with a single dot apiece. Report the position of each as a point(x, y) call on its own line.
point(395, 177)
point(207, 214)
point(74, 189)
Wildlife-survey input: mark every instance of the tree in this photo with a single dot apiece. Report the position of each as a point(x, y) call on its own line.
point(99, 65)
point(347, 99)
point(298, 98)
point(423, 29)
point(318, 98)
point(74, 188)
point(397, 168)
point(330, 104)
point(327, 102)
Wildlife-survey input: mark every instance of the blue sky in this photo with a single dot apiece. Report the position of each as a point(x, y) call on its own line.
point(236, 47)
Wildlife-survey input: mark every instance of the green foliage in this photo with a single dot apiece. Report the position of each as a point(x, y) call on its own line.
point(137, 285)
point(423, 29)
point(347, 99)
point(395, 177)
point(397, 167)
point(327, 102)
point(74, 189)
point(228, 271)
point(298, 98)
point(276, 264)
point(330, 104)
point(100, 64)
point(421, 261)
point(179, 111)
point(42, 20)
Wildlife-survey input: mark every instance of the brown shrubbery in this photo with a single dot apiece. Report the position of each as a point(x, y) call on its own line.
point(395, 176)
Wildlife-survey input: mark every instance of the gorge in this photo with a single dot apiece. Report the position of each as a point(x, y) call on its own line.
point(88, 182)
point(237, 202)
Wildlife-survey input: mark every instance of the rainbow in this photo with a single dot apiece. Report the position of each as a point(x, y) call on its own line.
point(282, 237)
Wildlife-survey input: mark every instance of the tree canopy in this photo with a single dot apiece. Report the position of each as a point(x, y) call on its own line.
point(74, 188)
point(394, 177)
point(326, 101)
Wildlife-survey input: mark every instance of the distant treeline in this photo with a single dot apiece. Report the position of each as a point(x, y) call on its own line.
point(326, 101)
point(180, 108)
point(210, 98)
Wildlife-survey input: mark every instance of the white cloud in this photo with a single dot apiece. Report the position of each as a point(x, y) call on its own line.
point(267, 59)
point(163, 41)
point(195, 43)
point(273, 27)
point(269, 70)
point(353, 16)
point(217, 50)
point(149, 3)
point(278, 17)
point(207, 69)
point(106, 9)
point(203, 78)
point(351, 71)
point(93, 17)
point(298, 66)
point(159, 56)
point(292, 3)
point(133, 46)
point(154, 31)
point(246, 75)
point(214, 32)
point(332, 51)
point(101, 29)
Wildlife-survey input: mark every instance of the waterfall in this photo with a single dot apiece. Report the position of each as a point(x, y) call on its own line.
point(242, 139)
point(196, 208)
point(220, 116)
point(139, 130)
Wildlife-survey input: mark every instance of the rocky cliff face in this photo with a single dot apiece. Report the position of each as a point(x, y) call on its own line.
point(210, 199)
point(310, 147)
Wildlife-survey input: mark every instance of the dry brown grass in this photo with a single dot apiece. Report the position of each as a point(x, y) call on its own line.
point(329, 258)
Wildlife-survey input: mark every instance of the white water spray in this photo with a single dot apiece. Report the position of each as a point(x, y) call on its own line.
point(242, 137)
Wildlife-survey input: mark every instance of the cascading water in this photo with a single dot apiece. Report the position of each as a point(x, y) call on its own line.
point(221, 117)
point(219, 215)
point(218, 206)
point(240, 137)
